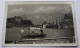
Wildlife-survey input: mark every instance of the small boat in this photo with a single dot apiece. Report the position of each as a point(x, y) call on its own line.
point(36, 32)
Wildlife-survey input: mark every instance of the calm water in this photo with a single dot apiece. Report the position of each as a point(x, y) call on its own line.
point(14, 34)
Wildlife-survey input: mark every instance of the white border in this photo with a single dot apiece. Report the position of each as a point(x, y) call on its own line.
point(40, 2)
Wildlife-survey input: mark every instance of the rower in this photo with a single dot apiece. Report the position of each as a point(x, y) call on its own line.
point(41, 32)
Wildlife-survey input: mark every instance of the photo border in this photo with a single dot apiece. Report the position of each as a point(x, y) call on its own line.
point(41, 2)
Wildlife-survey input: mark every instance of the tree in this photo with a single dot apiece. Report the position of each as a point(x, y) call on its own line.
point(68, 20)
point(26, 23)
point(44, 23)
point(68, 16)
point(17, 21)
point(65, 16)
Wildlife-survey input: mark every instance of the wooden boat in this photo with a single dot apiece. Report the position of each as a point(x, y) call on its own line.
point(36, 32)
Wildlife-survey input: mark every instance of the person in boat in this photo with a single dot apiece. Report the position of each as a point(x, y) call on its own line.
point(41, 32)
point(22, 32)
point(32, 33)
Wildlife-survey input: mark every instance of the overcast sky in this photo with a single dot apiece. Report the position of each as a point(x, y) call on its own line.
point(38, 13)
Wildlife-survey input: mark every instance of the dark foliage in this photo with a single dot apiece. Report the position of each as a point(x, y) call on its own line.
point(68, 16)
point(18, 22)
point(26, 23)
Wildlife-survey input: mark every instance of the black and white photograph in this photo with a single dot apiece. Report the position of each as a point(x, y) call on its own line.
point(40, 23)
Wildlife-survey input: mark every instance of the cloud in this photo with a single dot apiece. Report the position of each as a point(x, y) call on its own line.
point(43, 9)
point(17, 11)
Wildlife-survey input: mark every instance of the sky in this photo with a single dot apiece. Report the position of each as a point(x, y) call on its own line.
point(38, 13)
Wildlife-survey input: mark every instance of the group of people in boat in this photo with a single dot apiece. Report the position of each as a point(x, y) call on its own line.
point(23, 33)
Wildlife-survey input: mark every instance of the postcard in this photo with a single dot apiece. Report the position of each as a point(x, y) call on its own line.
point(40, 23)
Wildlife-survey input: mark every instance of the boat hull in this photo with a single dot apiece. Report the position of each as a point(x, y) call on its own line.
point(35, 36)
